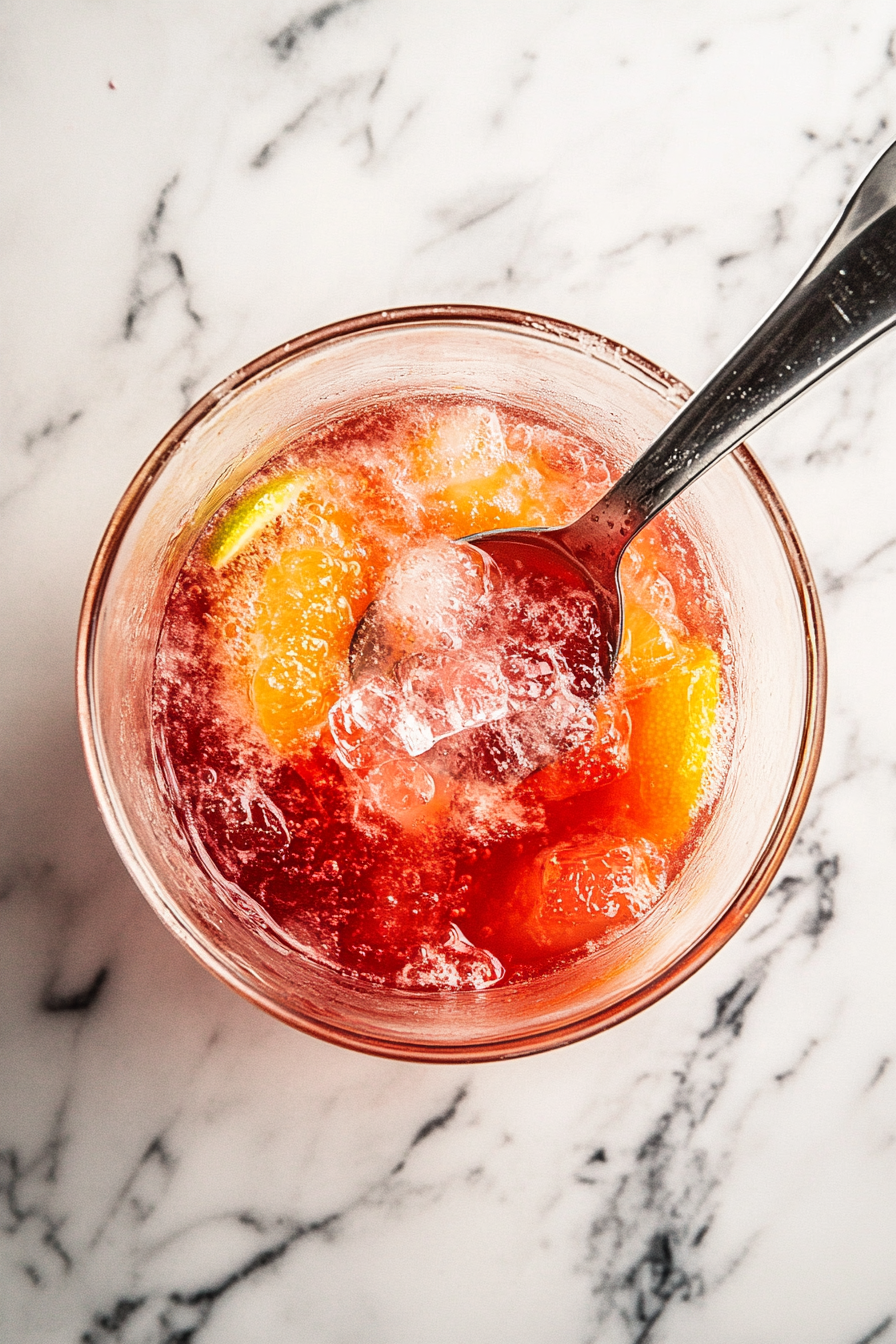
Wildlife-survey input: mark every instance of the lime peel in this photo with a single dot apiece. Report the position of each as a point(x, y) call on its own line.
point(250, 516)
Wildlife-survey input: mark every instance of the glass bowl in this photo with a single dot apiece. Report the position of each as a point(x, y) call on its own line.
point(746, 542)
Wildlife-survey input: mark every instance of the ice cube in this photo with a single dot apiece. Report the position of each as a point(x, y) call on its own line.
point(532, 739)
point(478, 691)
point(562, 454)
point(488, 813)
point(595, 877)
point(431, 595)
point(516, 746)
point(449, 693)
point(400, 784)
point(532, 675)
point(371, 724)
point(650, 588)
point(603, 754)
point(453, 964)
point(571, 632)
point(360, 718)
point(596, 888)
point(462, 444)
point(249, 821)
point(512, 692)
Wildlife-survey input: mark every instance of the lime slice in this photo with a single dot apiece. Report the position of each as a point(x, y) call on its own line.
point(253, 513)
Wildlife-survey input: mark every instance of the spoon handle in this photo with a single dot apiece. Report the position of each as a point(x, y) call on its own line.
point(844, 299)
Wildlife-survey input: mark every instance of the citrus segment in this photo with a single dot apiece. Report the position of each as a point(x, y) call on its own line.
point(648, 648)
point(511, 496)
point(475, 483)
point(672, 734)
point(306, 613)
point(251, 515)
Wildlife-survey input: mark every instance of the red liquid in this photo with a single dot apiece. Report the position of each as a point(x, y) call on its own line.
point(491, 878)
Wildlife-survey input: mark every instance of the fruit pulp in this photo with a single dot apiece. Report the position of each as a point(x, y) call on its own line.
point(470, 814)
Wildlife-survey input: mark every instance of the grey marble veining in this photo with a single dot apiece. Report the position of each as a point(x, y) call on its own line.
point(187, 185)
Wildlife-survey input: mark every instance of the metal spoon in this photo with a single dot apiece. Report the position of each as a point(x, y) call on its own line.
point(844, 299)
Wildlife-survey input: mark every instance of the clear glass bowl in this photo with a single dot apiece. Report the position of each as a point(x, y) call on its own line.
point(746, 542)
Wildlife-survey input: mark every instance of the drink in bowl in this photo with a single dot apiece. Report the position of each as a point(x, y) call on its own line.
point(460, 847)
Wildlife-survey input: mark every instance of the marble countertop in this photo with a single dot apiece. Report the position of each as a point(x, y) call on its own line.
point(186, 185)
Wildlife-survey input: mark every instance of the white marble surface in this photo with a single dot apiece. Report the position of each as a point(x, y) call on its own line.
point(188, 183)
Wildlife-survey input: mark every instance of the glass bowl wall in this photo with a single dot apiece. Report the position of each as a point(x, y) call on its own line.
point(745, 540)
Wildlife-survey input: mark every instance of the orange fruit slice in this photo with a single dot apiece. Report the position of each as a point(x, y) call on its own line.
point(671, 742)
point(648, 648)
point(510, 496)
point(305, 616)
point(475, 483)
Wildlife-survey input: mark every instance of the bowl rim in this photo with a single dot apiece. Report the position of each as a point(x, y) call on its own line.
point(760, 875)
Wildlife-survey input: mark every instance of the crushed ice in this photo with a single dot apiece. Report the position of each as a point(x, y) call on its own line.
point(478, 685)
